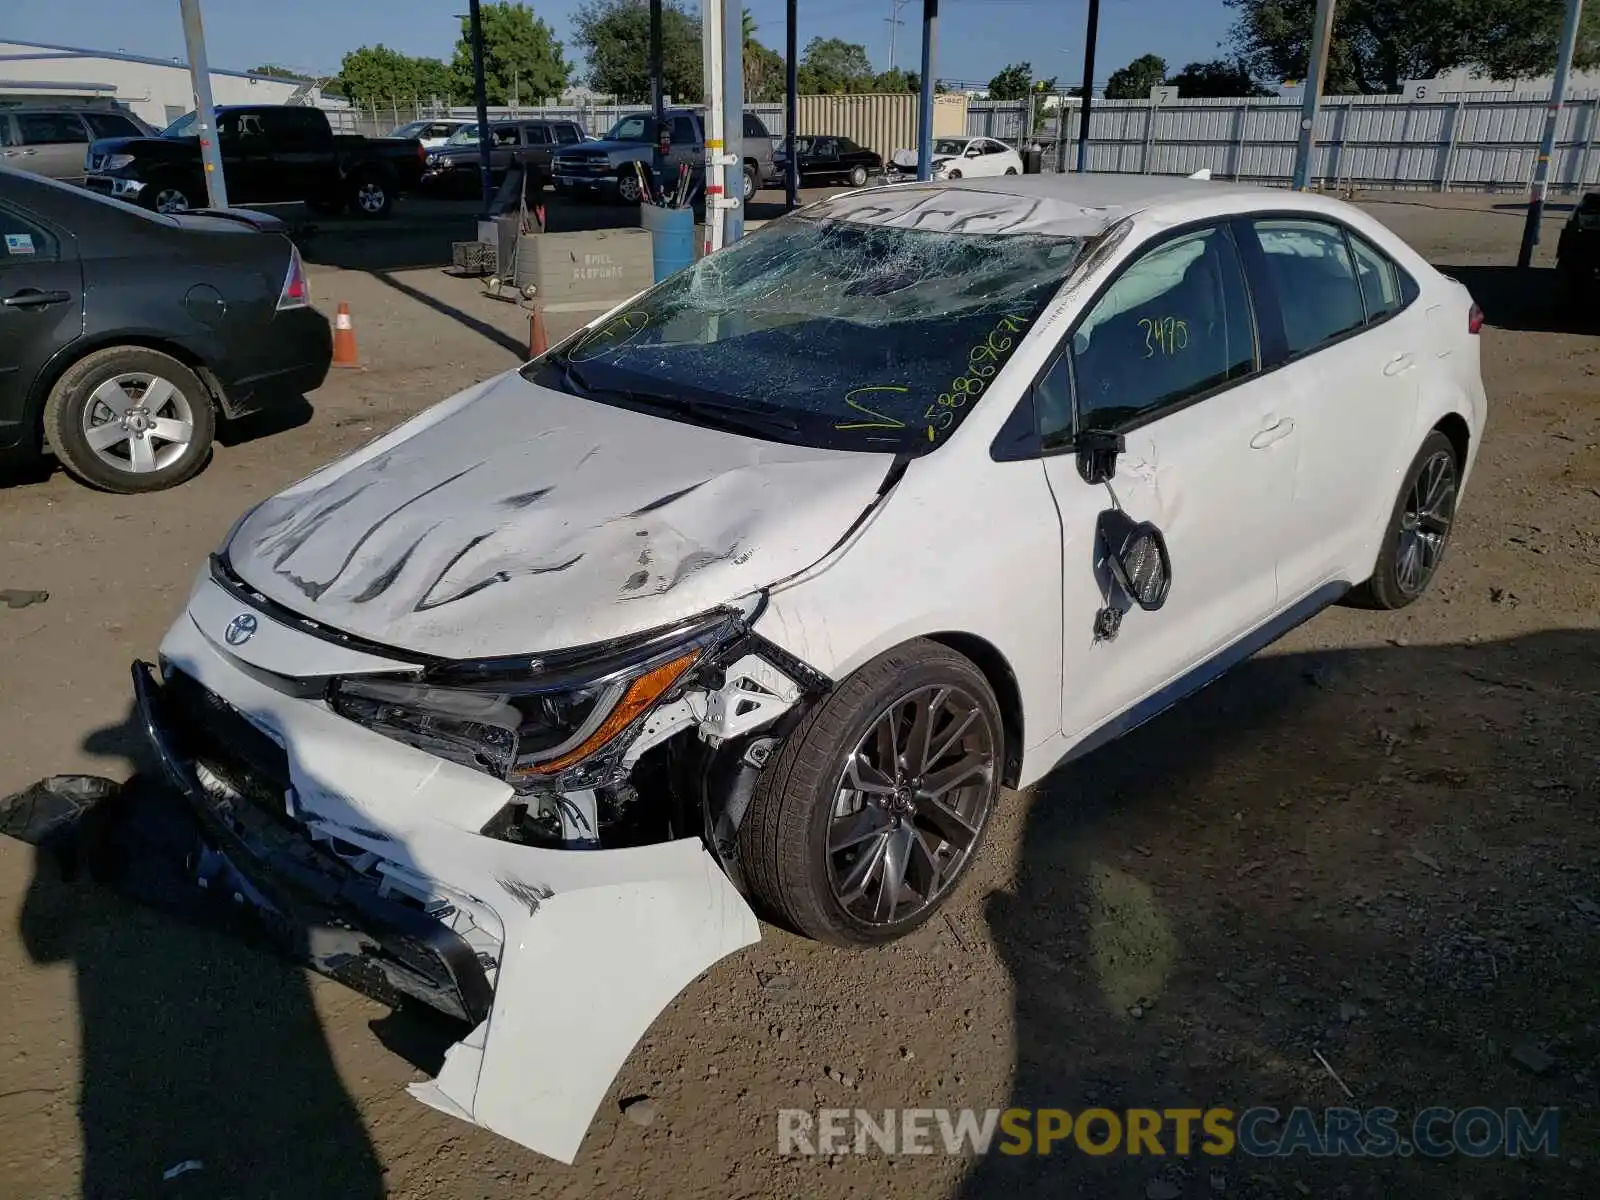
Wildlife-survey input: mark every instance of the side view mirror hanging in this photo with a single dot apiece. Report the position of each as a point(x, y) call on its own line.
point(1137, 556)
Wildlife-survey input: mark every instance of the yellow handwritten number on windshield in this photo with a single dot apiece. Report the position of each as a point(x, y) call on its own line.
point(879, 420)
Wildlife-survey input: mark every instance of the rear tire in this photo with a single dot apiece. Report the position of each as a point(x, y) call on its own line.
point(858, 177)
point(127, 419)
point(811, 836)
point(164, 196)
point(750, 183)
point(1418, 533)
point(371, 196)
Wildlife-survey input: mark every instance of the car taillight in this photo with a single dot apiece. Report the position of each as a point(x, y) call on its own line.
point(1474, 319)
point(296, 291)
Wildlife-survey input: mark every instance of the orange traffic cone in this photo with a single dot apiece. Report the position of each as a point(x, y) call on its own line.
point(538, 340)
point(344, 338)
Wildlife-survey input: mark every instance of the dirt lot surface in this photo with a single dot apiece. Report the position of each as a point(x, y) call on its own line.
point(1375, 842)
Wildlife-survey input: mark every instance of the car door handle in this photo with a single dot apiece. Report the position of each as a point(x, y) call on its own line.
point(33, 297)
point(1400, 363)
point(1272, 433)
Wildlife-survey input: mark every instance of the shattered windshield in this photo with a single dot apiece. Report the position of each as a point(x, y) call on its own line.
point(950, 146)
point(824, 332)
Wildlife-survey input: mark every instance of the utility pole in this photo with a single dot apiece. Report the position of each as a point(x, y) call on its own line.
point(481, 94)
point(1316, 72)
point(194, 37)
point(733, 119)
point(711, 32)
point(791, 90)
point(1547, 143)
point(657, 89)
point(894, 24)
point(1088, 84)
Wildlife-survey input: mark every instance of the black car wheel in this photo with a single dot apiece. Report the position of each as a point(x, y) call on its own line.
point(750, 184)
point(876, 806)
point(371, 196)
point(127, 419)
point(1011, 170)
point(858, 177)
point(1419, 528)
point(165, 197)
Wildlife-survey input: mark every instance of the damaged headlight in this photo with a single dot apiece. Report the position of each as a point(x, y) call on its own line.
point(528, 721)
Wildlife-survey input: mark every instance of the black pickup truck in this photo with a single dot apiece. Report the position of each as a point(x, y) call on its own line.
point(271, 154)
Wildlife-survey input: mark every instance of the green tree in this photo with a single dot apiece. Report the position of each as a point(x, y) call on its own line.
point(522, 58)
point(377, 74)
point(1379, 44)
point(832, 66)
point(1217, 79)
point(277, 72)
point(1013, 82)
point(614, 36)
point(1134, 81)
point(763, 66)
point(896, 80)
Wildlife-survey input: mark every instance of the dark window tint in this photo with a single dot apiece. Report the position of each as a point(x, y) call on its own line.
point(8, 135)
point(48, 129)
point(1174, 324)
point(291, 130)
point(23, 240)
point(1379, 278)
point(1314, 279)
point(753, 126)
point(568, 135)
point(826, 148)
point(683, 132)
point(110, 125)
point(505, 135)
point(536, 135)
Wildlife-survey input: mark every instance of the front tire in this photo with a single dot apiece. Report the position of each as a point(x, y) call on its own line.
point(877, 804)
point(167, 197)
point(628, 189)
point(858, 177)
point(127, 420)
point(953, 175)
point(1418, 532)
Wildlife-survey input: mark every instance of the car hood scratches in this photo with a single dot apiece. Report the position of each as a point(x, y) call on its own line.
point(528, 520)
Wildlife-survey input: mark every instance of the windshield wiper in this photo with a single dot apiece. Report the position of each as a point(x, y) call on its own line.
point(706, 412)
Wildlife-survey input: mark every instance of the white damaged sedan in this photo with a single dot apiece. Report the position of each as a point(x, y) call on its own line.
point(752, 595)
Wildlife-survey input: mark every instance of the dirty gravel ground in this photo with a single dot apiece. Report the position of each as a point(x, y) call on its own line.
point(1376, 840)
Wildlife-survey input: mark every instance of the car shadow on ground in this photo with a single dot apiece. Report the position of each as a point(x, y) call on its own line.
point(195, 1046)
point(1524, 299)
point(1386, 857)
point(269, 422)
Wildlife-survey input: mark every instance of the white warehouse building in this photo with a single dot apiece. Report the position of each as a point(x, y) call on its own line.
point(157, 90)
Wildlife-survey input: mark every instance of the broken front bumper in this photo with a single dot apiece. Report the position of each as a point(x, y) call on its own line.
point(362, 855)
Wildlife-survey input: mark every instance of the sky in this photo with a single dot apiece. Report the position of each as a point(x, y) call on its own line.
point(975, 37)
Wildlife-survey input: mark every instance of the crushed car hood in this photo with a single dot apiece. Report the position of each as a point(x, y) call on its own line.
point(515, 519)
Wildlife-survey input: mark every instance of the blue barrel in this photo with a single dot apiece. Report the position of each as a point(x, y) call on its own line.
point(672, 239)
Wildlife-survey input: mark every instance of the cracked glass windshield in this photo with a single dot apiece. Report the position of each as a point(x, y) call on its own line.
point(824, 332)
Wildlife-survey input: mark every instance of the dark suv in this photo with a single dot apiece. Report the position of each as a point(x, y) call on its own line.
point(607, 167)
point(1578, 253)
point(529, 144)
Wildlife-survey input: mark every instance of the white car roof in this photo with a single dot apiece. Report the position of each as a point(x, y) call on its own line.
point(1059, 205)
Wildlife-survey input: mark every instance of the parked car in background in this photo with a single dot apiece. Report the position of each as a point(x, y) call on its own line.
point(52, 140)
point(606, 168)
point(568, 676)
point(125, 334)
point(962, 158)
point(271, 154)
point(831, 159)
point(1578, 253)
point(530, 144)
point(432, 133)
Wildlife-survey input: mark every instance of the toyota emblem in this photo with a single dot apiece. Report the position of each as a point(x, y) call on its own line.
point(240, 630)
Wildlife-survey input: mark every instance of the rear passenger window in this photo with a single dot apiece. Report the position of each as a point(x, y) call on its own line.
point(1379, 278)
point(1174, 325)
point(1315, 281)
point(23, 241)
point(753, 126)
point(568, 135)
point(110, 125)
point(50, 129)
point(684, 132)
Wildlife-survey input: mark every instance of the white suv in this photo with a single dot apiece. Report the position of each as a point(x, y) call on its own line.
point(754, 592)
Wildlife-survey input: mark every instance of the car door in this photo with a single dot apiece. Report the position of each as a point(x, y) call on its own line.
point(290, 163)
point(505, 146)
point(1347, 352)
point(686, 149)
point(538, 145)
point(1166, 356)
point(54, 144)
point(41, 308)
point(246, 152)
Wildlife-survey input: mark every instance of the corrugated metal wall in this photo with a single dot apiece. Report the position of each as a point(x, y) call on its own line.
point(1466, 140)
point(884, 122)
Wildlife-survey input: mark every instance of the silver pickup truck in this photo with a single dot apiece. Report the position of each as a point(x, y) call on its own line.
point(606, 167)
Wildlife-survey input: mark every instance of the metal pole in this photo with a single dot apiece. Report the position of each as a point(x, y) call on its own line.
point(1088, 85)
point(658, 84)
point(930, 28)
point(194, 37)
point(791, 108)
point(1541, 164)
point(481, 93)
point(733, 120)
point(1321, 36)
point(711, 29)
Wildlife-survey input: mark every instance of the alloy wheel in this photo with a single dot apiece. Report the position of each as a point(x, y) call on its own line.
point(858, 177)
point(138, 422)
point(171, 200)
point(371, 196)
point(628, 189)
point(1425, 522)
point(910, 804)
